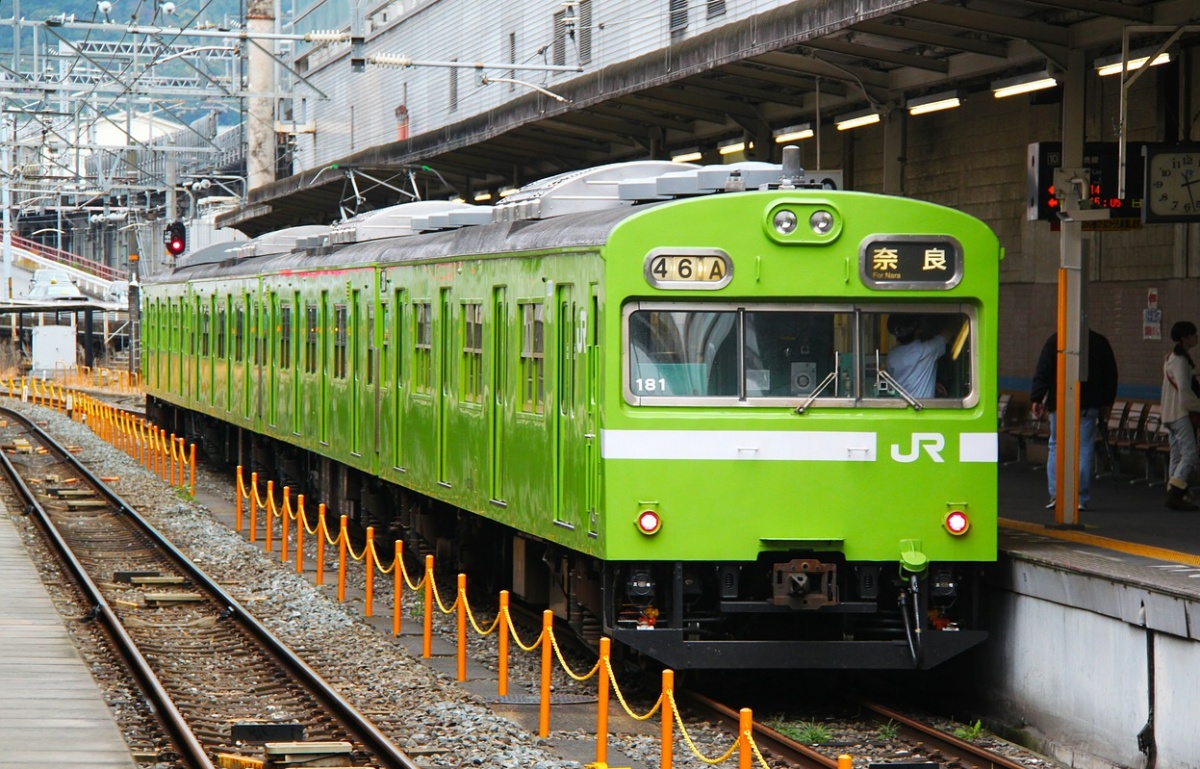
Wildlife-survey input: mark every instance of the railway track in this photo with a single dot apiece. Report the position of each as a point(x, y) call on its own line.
point(217, 680)
point(925, 744)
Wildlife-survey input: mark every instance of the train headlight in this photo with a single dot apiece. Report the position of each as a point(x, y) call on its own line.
point(957, 522)
point(648, 522)
point(785, 218)
point(785, 222)
point(821, 222)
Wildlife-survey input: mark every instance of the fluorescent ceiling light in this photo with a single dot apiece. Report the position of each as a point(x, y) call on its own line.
point(506, 191)
point(856, 119)
point(482, 197)
point(1111, 65)
point(935, 102)
point(793, 133)
point(1034, 81)
point(688, 156)
point(730, 147)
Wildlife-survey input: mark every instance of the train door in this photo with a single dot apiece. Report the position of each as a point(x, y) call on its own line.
point(445, 334)
point(398, 349)
point(371, 393)
point(570, 479)
point(324, 339)
point(271, 375)
point(356, 334)
point(496, 408)
point(590, 322)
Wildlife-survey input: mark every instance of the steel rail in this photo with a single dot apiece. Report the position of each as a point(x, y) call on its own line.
point(355, 723)
point(767, 738)
point(191, 752)
point(950, 747)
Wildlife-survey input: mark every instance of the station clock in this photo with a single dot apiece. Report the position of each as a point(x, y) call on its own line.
point(1172, 183)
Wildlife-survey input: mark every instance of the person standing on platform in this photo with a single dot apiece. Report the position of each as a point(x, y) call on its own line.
point(1096, 396)
point(1179, 402)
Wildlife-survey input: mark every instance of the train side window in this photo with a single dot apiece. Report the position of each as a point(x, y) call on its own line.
point(533, 397)
point(423, 347)
point(221, 333)
point(239, 333)
point(340, 341)
point(311, 337)
point(371, 351)
point(472, 379)
point(285, 337)
point(205, 322)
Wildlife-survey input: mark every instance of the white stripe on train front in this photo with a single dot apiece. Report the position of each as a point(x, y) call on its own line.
point(817, 446)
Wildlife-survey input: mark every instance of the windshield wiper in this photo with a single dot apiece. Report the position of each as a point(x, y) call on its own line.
point(881, 374)
point(831, 376)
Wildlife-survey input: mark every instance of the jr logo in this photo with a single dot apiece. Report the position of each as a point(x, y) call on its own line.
point(933, 444)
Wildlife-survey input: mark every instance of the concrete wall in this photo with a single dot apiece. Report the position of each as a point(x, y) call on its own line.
point(1070, 657)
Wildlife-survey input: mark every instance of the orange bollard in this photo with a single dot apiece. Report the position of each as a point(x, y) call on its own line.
point(343, 544)
point(171, 468)
point(602, 703)
point(369, 564)
point(254, 507)
point(192, 464)
point(322, 533)
point(547, 648)
point(668, 715)
point(268, 541)
point(284, 523)
point(166, 459)
point(427, 641)
point(300, 519)
point(745, 725)
point(845, 762)
point(237, 495)
point(397, 585)
point(502, 639)
point(462, 627)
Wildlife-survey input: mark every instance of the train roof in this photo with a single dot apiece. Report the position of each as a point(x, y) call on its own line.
point(571, 210)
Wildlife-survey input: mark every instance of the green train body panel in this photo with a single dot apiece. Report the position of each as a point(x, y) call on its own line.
point(414, 411)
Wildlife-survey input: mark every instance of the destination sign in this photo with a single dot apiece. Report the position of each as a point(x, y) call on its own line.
point(910, 262)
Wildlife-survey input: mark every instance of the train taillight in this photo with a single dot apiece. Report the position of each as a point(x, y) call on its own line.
point(648, 522)
point(957, 522)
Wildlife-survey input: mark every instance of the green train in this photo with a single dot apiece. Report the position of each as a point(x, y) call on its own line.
point(665, 401)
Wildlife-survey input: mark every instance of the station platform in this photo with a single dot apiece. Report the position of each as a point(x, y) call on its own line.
point(52, 713)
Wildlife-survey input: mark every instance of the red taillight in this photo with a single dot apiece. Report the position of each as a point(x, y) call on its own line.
point(957, 522)
point(648, 522)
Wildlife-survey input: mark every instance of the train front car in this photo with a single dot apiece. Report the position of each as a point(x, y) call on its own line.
point(781, 488)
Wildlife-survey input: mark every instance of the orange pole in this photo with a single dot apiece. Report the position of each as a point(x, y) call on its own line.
point(237, 495)
point(602, 703)
point(745, 724)
point(268, 542)
point(397, 585)
point(284, 524)
point(182, 462)
point(369, 564)
point(547, 647)
point(427, 642)
point(166, 460)
point(343, 540)
point(301, 517)
point(171, 472)
point(462, 626)
point(845, 762)
point(192, 463)
point(502, 638)
point(322, 532)
point(668, 715)
point(254, 507)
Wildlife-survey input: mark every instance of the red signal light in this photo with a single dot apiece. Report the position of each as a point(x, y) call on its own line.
point(648, 522)
point(175, 238)
point(957, 522)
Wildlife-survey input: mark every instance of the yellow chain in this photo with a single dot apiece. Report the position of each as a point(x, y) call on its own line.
point(462, 596)
point(350, 550)
point(414, 586)
point(688, 738)
point(754, 747)
point(437, 597)
point(537, 641)
point(621, 698)
point(566, 667)
point(323, 523)
point(378, 565)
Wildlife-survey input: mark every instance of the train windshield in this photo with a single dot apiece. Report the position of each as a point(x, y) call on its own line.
point(828, 355)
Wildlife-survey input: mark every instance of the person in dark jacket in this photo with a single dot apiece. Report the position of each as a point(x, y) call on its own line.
point(1096, 396)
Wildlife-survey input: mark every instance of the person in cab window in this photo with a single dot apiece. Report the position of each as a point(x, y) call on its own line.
point(1179, 403)
point(912, 362)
